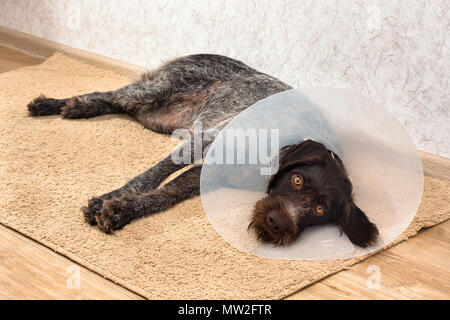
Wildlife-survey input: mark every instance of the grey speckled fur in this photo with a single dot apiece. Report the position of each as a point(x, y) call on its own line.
point(208, 88)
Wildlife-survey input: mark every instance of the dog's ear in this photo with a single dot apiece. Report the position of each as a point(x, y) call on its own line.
point(358, 228)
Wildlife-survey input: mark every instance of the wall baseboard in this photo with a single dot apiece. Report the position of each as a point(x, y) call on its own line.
point(42, 48)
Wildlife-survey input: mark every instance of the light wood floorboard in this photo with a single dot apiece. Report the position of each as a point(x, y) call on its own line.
point(29, 270)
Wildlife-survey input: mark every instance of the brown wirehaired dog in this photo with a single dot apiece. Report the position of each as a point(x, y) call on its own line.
point(310, 188)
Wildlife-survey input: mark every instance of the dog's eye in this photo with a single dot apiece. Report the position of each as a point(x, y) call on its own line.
point(297, 180)
point(320, 209)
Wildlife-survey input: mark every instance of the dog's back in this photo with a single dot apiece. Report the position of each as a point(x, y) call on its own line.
point(204, 87)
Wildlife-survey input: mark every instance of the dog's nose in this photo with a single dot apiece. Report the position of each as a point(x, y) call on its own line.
point(277, 222)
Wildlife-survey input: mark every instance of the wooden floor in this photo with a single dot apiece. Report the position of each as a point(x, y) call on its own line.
point(416, 269)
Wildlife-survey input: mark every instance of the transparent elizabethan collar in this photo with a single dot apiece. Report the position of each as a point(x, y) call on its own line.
point(381, 160)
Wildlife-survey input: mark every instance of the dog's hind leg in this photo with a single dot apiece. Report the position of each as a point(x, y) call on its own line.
point(43, 106)
point(83, 106)
point(91, 105)
point(118, 212)
point(137, 96)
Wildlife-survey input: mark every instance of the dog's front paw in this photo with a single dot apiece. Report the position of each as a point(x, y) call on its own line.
point(92, 210)
point(115, 213)
point(42, 106)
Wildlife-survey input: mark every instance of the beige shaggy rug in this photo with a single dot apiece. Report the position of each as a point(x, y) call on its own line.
point(49, 167)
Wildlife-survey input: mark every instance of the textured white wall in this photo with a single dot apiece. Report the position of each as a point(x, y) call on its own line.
point(395, 52)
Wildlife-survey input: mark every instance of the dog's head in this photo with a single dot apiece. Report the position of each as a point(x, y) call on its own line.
point(310, 188)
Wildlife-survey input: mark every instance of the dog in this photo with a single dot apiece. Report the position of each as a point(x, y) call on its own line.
point(311, 186)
